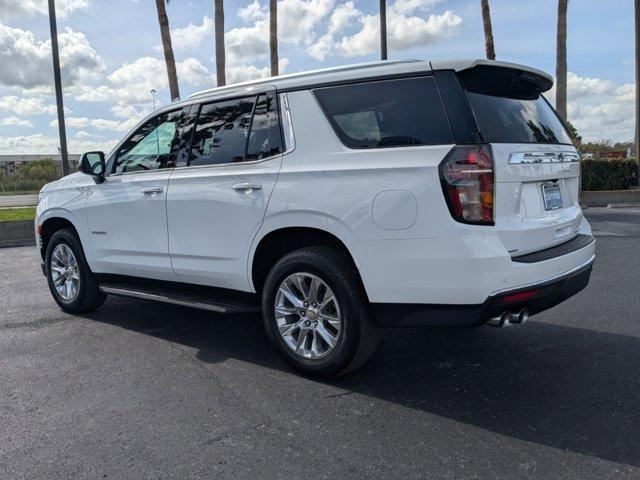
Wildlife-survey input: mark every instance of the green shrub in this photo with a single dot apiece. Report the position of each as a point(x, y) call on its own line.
point(31, 176)
point(609, 174)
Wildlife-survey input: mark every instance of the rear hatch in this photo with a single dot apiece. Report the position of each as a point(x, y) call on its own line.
point(536, 167)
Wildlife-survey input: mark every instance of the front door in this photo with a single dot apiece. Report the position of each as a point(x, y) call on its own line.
point(217, 203)
point(126, 214)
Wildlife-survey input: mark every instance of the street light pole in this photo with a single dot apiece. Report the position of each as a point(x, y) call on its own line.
point(637, 135)
point(58, 85)
point(383, 29)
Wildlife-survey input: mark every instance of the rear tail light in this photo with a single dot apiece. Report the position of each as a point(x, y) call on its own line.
point(467, 180)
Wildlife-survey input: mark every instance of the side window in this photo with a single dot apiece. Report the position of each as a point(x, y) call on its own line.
point(387, 113)
point(152, 146)
point(221, 132)
point(265, 139)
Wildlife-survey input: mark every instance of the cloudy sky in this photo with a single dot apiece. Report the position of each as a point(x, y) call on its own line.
point(111, 56)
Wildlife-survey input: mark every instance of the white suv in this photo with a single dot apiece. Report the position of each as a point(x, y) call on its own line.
point(336, 201)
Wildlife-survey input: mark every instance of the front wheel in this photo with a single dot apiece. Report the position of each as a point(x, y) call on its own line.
point(316, 312)
point(70, 279)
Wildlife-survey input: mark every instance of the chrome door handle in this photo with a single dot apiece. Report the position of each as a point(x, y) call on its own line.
point(152, 190)
point(247, 187)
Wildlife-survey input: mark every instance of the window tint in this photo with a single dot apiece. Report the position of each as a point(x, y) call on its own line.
point(221, 132)
point(152, 146)
point(510, 108)
point(517, 120)
point(265, 139)
point(389, 113)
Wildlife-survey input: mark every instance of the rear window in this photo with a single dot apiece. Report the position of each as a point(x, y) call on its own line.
point(388, 113)
point(512, 111)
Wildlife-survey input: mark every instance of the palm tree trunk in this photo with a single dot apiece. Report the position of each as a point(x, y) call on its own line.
point(273, 36)
point(169, 59)
point(561, 60)
point(219, 32)
point(383, 29)
point(488, 31)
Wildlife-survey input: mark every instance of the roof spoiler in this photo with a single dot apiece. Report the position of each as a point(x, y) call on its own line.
point(535, 79)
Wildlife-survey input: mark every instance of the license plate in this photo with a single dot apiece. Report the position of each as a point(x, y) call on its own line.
point(552, 196)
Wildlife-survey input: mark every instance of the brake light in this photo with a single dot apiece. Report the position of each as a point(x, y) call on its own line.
point(467, 181)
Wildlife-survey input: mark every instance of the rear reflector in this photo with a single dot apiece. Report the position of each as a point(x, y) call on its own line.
point(466, 175)
point(520, 296)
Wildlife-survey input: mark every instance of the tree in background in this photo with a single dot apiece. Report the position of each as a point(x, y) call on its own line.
point(219, 34)
point(273, 36)
point(576, 138)
point(488, 31)
point(169, 59)
point(561, 60)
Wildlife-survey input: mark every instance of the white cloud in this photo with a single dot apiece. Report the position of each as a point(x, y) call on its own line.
point(183, 38)
point(297, 22)
point(241, 73)
point(26, 62)
point(409, 6)
point(98, 123)
point(598, 108)
point(131, 84)
point(26, 106)
point(41, 144)
point(15, 121)
point(18, 8)
point(342, 17)
point(192, 72)
point(403, 32)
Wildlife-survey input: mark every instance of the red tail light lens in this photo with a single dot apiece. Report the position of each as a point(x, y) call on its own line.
point(467, 181)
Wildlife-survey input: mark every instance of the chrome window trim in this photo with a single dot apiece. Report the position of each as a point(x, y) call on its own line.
point(542, 157)
point(287, 125)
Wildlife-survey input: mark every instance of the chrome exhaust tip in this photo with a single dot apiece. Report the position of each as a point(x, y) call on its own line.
point(523, 316)
point(507, 319)
point(500, 321)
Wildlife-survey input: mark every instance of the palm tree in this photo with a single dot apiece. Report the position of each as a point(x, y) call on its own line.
point(383, 29)
point(488, 31)
point(561, 60)
point(169, 59)
point(219, 31)
point(273, 36)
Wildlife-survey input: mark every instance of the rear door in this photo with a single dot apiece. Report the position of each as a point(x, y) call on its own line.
point(537, 172)
point(217, 203)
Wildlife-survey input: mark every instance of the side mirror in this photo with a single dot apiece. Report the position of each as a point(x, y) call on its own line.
point(92, 163)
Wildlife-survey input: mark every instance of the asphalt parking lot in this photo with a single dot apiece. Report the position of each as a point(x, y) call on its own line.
point(142, 390)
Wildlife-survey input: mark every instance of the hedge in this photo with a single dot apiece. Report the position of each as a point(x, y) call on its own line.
point(609, 174)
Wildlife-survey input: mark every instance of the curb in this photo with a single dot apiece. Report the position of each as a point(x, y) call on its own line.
point(605, 198)
point(17, 234)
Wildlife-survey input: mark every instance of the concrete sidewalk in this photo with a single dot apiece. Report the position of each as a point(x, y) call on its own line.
point(19, 200)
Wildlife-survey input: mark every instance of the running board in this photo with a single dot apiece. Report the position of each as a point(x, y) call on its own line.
point(184, 298)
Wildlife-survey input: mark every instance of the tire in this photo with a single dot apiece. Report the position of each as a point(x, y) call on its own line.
point(357, 337)
point(88, 296)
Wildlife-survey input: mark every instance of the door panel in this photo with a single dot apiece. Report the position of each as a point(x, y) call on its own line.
point(213, 218)
point(127, 216)
point(127, 223)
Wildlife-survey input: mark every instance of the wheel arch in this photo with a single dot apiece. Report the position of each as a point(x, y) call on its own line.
point(276, 243)
point(52, 224)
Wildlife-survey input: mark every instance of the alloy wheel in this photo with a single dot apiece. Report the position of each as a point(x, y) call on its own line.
point(65, 272)
point(308, 315)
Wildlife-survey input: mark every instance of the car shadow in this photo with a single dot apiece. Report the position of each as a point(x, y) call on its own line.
point(563, 387)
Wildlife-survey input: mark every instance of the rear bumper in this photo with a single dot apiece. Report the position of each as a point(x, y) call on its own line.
point(548, 293)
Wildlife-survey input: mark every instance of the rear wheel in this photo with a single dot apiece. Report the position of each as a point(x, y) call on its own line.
point(70, 279)
point(316, 313)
